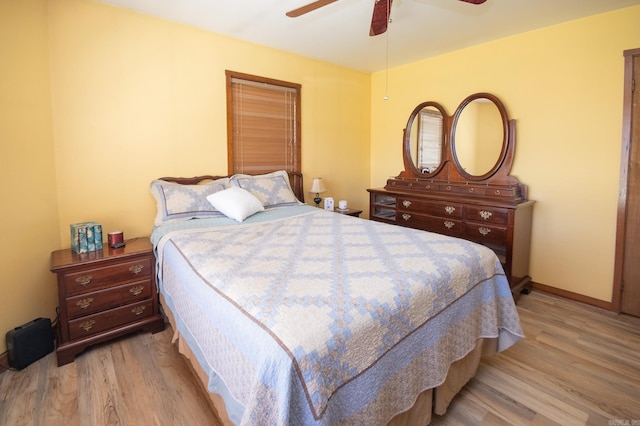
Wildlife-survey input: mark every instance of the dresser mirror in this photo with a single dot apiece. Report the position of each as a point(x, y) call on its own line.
point(479, 136)
point(425, 144)
point(468, 153)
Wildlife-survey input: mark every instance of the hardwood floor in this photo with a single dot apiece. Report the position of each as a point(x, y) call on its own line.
point(577, 366)
point(140, 379)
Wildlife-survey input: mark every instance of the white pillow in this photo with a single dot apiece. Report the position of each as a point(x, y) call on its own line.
point(235, 203)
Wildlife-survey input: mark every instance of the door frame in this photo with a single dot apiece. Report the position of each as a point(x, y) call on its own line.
point(616, 299)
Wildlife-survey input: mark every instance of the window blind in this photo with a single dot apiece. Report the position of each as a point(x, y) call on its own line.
point(430, 131)
point(264, 132)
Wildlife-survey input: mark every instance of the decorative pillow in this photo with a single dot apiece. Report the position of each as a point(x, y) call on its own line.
point(272, 189)
point(236, 203)
point(183, 202)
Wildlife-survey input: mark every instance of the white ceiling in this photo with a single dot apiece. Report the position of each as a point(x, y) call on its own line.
point(339, 33)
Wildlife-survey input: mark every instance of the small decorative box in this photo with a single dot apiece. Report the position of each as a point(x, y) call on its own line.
point(86, 237)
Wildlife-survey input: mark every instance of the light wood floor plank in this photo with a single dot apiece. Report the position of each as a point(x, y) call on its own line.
point(57, 396)
point(577, 365)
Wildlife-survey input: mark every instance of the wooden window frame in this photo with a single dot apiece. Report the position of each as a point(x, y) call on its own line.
point(295, 140)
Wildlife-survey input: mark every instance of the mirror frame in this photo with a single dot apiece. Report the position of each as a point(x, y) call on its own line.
point(506, 136)
point(408, 161)
point(450, 179)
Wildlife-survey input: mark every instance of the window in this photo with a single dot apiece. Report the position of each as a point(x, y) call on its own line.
point(263, 124)
point(430, 144)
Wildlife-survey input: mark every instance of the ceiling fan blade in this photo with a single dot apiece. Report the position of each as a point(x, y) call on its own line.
point(474, 1)
point(380, 18)
point(309, 8)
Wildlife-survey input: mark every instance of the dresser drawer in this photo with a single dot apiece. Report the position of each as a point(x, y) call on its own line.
point(89, 303)
point(440, 225)
point(484, 233)
point(89, 280)
point(445, 187)
point(483, 214)
point(93, 324)
point(430, 207)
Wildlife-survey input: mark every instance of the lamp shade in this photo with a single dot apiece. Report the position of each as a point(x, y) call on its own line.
point(317, 186)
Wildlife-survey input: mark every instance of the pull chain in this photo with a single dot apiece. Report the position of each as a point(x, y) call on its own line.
point(386, 76)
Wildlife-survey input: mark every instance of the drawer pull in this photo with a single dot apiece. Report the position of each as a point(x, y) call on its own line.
point(449, 209)
point(84, 279)
point(406, 203)
point(449, 224)
point(428, 187)
point(84, 303)
point(136, 290)
point(138, 310)
point(136, 269)
point(485, 214)
point(449, 188)
point(406, 216)
point(472, 189)
point(87, 325)
point(484, 231)
point(410, 185)
point(497, 192)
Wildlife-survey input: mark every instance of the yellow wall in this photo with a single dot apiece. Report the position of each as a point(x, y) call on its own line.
point(564, 86)
point(97, 101)
point(136, 98)
point(29, 212)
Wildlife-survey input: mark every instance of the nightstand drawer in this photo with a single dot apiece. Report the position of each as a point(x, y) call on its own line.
point(89, 303)
point(89, 280)
point(92, 324)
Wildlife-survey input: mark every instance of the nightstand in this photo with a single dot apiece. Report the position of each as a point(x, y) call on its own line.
point(349, 212)
point(104, 294)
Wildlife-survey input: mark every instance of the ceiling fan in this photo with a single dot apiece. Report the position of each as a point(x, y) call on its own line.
point(379, 20)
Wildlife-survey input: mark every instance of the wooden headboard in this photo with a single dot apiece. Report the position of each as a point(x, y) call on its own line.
point(295, 179)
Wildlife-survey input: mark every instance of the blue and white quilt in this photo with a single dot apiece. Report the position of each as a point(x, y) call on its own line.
point(305, 317)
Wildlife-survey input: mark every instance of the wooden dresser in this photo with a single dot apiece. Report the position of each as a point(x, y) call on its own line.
point(504, 227)
point(104, 294)
point(457, 182)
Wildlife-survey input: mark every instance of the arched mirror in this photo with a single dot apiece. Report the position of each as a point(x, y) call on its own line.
point(479, 136)
point(425, 138)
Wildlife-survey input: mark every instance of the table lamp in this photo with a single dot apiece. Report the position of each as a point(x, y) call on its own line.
point(317, 187)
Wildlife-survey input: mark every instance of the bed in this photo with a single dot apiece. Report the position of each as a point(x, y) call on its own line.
point(290, 314)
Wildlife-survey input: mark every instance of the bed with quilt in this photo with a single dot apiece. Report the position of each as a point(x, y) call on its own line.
point(293, 315)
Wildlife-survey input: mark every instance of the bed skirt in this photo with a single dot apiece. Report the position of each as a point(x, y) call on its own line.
point(430, 401)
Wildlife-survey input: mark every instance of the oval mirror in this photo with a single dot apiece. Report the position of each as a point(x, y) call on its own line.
point(425, 138)
point(479, 136)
